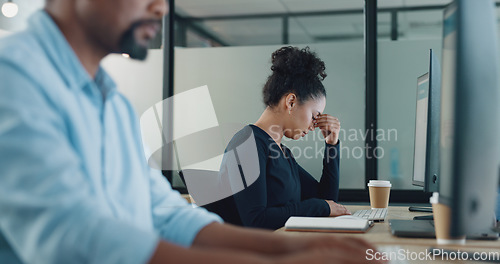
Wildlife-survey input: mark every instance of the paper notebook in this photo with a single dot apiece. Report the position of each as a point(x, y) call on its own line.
point(347, 223)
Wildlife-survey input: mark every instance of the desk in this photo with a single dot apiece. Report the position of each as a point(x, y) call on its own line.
point(380, 235)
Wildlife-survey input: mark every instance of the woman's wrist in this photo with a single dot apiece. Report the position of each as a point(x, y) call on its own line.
point(333, 143)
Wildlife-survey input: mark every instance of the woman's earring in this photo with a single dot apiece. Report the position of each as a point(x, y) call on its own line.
point(289, 111)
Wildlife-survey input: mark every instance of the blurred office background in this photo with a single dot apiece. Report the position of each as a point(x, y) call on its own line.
point(227, 44)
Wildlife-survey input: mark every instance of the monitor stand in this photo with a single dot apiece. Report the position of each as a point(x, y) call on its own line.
point(424, 217)
point(420, 209)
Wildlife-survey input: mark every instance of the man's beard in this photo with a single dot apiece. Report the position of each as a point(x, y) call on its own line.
point(130, 46)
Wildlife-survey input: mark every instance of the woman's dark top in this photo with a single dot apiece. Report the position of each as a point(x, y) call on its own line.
point(283, 188)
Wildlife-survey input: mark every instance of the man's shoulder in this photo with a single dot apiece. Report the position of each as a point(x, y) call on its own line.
point(19, 47)
point(23, 54)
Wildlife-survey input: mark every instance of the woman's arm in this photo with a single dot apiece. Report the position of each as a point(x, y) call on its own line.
point(328, 186)
point(253, 202)
point(255, 212)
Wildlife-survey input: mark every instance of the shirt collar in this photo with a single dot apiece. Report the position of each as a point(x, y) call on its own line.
point(105, 83)
point(64, 58)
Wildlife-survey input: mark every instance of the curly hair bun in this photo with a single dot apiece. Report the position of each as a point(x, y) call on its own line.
point(294, 61)
point(297, 71)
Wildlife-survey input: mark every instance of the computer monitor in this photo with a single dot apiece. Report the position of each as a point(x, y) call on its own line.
point(470, 115)
point(420, 142)
point(427, 118)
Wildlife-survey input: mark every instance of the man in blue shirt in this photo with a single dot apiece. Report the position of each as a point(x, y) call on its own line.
point(74, 183)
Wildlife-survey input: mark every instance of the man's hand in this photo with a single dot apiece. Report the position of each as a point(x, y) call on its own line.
point(223, 243)
point(328, 249)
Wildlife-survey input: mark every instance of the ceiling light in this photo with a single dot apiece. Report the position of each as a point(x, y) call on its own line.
point(9, 9)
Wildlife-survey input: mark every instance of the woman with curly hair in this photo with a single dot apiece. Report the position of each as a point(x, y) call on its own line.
point(295, 99)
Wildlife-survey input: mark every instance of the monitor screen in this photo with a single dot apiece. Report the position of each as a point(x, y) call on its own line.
point(427, 121)
point(421, 130)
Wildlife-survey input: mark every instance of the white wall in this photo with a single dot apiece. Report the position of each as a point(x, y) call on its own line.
point(4, 33)
point(140, 81)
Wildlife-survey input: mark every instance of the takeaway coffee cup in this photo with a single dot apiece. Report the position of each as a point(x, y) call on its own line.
point(379, 193)
point(442, 217)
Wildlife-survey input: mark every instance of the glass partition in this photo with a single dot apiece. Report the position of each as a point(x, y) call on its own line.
point(402, 58)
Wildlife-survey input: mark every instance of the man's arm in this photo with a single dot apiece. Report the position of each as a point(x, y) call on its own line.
point(222, 243)
point(169, 253)
point(237, 238)
point(271, 243)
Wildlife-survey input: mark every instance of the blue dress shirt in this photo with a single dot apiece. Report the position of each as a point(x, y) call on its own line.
point(75, 186)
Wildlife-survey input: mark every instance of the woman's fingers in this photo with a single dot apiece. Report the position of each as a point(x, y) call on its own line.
point(325, 117)
point(337, 209)
point(329, 126)
point(326, 120)
point(342, 210)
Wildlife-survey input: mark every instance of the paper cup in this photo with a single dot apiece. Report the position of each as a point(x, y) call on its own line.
point(379, 193)
point(442, 220)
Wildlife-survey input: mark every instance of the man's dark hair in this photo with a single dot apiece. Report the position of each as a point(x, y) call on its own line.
point(297, 71)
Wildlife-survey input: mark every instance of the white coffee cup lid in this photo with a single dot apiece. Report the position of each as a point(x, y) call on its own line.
point(378, 183)
point(434, 198)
